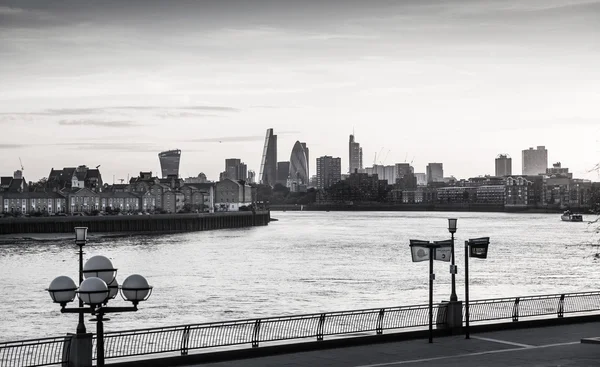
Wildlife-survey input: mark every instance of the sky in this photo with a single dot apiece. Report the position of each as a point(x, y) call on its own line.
point(113, 83)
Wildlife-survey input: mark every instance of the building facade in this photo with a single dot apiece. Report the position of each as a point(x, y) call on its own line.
point(235, 169)
point(298, 172)
point(503, 165)
point(169, 162)
point(283, 173)
point(230, 195)
point(535, 161)
point(355, 156)
point(329, 171)
point(435, 172)
point(268, 162)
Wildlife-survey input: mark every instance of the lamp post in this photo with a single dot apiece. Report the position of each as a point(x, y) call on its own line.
point(453, 270)
point(99, 287)
point(422, 251)
point(478, 248)
point(80, 240)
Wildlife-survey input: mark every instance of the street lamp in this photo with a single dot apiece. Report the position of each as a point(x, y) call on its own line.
point(425, 250)
point(478, 248)
point(453, 270)
point(100, 286)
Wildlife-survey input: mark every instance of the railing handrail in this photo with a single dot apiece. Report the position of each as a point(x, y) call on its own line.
point(535, 297)
point(252, 331)
point(272, 318)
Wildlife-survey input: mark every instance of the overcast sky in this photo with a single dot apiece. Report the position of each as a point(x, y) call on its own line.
point(114, 82)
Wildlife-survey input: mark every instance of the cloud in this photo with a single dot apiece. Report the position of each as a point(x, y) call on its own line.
point(118, 124)
point(229, 139)
point(116, 147)
point(8, 10)
point(11, 146)
point(171, 114)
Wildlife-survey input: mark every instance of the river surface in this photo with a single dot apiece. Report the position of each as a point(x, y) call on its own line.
point(305, 262)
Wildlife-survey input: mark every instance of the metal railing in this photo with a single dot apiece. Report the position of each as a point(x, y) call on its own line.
point(252, 332)
point(35, 352)
point(533, 306)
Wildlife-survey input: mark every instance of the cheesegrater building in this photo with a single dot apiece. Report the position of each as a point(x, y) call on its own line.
point(268, 162)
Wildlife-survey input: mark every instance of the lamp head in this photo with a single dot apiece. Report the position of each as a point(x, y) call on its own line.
point(135, 289)
point(93, 291)
point(101, 267)
point(80, 235)
point(452, 225)
point(62, 290)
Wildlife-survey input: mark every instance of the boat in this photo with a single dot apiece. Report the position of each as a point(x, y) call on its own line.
point(570, 217)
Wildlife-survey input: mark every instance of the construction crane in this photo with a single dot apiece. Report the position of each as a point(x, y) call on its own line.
point(385, 158)
point(22, 168)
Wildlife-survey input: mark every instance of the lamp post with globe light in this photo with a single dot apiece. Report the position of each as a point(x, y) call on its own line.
point(98, 288)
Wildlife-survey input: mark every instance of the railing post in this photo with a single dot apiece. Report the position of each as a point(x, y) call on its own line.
point(379, 328)
point(516, 310)
point(320, 327)
point(255, 337)
point(561, 306)
point(185, 340)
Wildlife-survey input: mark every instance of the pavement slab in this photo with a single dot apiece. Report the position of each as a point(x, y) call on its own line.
point(543, 346)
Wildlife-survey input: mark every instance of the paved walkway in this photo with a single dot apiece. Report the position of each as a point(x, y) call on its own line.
point(547, 346)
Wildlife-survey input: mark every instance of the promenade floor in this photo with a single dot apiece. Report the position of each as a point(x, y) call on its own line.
point(544, 346)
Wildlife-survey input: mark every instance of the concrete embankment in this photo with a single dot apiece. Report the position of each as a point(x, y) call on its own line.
point(129, 224)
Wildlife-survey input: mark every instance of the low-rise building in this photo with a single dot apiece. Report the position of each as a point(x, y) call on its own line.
point(231, 194)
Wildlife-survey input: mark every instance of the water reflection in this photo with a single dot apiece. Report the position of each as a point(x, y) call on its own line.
point(305, 262)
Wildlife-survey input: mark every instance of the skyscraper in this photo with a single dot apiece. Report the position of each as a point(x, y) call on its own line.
point(235, 169)
point(299, 164)
point(268, 163)
point(307, 159)
point(283, 172)
point(329, 171)
point(169, 162)
point(503, 165)
point(355, 156)
point(535, 161)
point(435, 172)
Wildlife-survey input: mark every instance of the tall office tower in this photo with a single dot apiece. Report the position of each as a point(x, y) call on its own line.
point(535, 161)
point(169, 162)
point(503, 165)
point(307, 159)
point(355, 156)
point(435, 172)
point(329, 171)
point(299, 164)
point(283, 173)
point(251, 176)
point(421, 179)
point(235, 169)
point(268, 163)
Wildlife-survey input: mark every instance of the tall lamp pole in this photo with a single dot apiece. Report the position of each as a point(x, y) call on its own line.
point(99, 287)
point(453, 270)
point(80, 240)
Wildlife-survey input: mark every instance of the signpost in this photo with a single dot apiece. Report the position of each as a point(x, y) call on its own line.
point(478, 248)
point(423, 251)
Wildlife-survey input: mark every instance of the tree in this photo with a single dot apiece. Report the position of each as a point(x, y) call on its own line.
point(40, 185)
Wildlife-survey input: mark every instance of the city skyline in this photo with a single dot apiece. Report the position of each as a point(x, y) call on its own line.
point(450, 82)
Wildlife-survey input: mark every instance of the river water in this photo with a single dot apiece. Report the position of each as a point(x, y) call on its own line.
point(305, 262)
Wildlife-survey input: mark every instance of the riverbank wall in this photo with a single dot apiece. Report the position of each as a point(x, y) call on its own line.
point(136, 223)
point(424, 207)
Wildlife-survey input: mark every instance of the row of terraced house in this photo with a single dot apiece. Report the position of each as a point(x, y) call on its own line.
point(81, 190)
